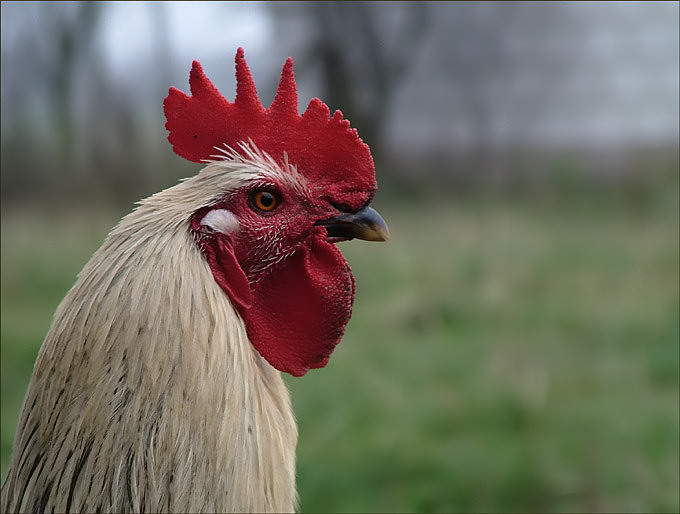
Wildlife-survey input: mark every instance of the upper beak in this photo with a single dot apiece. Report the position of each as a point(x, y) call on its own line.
point(365, 224)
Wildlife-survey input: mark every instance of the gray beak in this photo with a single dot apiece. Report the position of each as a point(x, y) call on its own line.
point(365, 224)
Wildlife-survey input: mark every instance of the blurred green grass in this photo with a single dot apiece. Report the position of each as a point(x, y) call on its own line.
point(503, 355)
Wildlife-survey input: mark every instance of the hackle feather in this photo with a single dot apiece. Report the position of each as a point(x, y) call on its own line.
point(147, 394)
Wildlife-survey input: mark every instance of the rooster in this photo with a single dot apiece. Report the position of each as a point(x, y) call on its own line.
point(158, 385)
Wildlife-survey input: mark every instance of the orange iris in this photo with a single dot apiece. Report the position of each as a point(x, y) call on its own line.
point(265, 201)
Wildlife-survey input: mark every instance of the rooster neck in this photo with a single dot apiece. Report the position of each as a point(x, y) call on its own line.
point(147, 393)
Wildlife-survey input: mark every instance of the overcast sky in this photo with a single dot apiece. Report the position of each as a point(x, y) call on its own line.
point(626, 84)
point(623, 86)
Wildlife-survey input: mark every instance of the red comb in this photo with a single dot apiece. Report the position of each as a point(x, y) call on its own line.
point(323, 148)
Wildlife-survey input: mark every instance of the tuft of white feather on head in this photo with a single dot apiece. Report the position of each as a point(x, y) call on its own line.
point(221, 220)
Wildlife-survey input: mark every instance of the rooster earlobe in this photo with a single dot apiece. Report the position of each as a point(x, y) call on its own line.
point(285, 100)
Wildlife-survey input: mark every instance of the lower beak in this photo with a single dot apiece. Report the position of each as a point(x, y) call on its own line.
point(365, 224)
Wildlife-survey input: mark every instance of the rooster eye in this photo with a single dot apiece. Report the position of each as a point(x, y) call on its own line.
point(264, 200)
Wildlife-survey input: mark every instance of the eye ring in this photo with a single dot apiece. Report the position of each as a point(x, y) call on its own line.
point(265, 200)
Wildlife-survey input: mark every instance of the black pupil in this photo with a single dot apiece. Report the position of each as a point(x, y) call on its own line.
point(266, 200)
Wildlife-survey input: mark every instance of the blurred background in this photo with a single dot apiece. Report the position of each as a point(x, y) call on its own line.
point(514, 347)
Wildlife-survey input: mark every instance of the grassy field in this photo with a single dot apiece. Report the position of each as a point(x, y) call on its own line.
point(502, 356)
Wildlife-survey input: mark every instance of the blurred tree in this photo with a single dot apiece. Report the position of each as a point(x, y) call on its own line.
point(52, 43)
point(127, 154)
point(96, 132)
point(463, 66)
point(489, 50)
point(72, 36)
point(361, 51)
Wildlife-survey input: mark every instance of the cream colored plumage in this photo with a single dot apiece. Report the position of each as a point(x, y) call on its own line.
point(147, 394)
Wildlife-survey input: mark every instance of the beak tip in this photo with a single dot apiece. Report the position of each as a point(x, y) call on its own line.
point(382, 233)
point(374, 226)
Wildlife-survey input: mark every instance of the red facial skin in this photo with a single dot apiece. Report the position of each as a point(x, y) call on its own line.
point(292, 287)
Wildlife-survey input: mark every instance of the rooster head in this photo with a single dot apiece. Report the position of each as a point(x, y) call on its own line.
point(298, 185)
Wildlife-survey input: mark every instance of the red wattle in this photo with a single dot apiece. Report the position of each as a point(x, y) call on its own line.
point(300, 308)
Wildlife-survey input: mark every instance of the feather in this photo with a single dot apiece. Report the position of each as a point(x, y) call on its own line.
point(143, 394)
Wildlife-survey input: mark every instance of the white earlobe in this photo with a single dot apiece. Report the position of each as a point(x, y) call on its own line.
point(221, 220)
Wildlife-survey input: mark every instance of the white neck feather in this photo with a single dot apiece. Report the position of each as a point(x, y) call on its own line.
point(147, 394)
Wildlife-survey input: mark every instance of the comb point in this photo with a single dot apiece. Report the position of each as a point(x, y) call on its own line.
point(316, 111)
point(246, 91)
point(199, 83)
point(285, 100)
